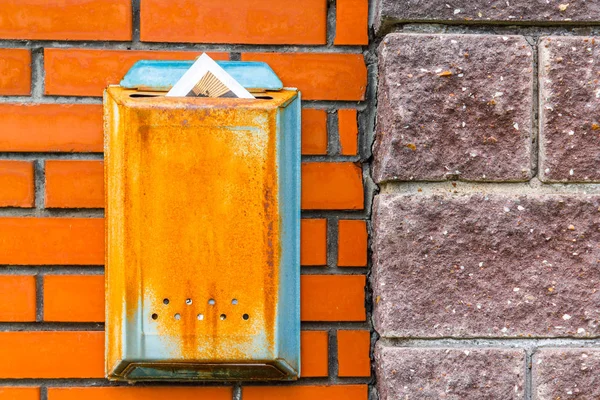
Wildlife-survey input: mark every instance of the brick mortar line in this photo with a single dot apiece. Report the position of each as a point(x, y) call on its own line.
point(332, 270)
point(39, 298)
point(528, 384)
point(331, 22)
point(236, 392)
point(535, 116)
point(50, 326)
point(490, 343)
point(99, 213)
point(332, 354)
point(332, 245)
point(52, 212)
point(98, 156)
point(44, 270)
point(97, 326)
point(366, 125)
point(327, 105)
point(341, 214)
point(68, 100)
point(135, 21)
point(334, 325)
point(309, 381)
point(39, 181)
point(37, 73)
point(532, 187)
point(45, 156)
point(333, 157)
point(444, 26)
point(333, 133)
point(100, 382)
point(179, 46)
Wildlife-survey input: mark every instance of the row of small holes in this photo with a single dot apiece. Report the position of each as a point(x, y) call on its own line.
point(212, 302)
point(200, 317)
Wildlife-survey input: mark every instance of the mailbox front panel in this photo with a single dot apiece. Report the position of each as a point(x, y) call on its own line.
point(202, 264)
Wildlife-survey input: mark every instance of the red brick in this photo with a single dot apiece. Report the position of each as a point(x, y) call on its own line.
point(52, 241)
point(338, 392)
point(351, 22)
point(17, 299)
point(74, 298)
point(314, 132)
point(348, 129)
point(313, 242)
point(51, 355)
point(19, 393)
point(332, 297)
point(16, 184)
point(237, 21)
point(140, 393)
point(332, 186)
point(353, 353)
point(320, 76)
point(315, 359)
point(352, 243)
point(74, 184)
point(85, 72)
point(66, 20)
point(51, 127)
point(15, 71)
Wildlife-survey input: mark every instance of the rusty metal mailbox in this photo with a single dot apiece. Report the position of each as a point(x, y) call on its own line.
point(202, 230)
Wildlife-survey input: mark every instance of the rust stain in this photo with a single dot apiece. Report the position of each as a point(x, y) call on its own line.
point(194, 217)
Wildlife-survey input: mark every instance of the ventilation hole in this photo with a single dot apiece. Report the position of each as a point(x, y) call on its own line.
point(188, 301)
point(234, 302)
point(245, 316)
point(177, 316)
point(135, 95)
point(200, 317)
point(154, 316)
point(166, 301)
point(257, 97)
point(211, 302)
point(223, 317)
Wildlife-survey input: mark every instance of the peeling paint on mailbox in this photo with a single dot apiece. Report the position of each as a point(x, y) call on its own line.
point(202, 226)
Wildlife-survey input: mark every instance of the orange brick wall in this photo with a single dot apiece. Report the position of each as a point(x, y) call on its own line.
point(55, 60)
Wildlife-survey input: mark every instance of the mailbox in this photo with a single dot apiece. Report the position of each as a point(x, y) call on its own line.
point(202, 229)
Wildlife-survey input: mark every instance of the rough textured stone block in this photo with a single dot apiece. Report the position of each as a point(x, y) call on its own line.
point(454, 105)
point(566, 374)
point(452, 374)
point(511, 12)
point(569, 109)
point(486, 265)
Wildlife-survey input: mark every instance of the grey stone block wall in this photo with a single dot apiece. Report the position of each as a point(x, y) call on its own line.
point(486, 226)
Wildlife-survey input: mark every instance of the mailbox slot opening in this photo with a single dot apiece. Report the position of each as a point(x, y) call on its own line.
point(263, 95)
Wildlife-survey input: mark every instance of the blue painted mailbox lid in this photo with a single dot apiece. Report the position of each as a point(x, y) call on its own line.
point(162, 75)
